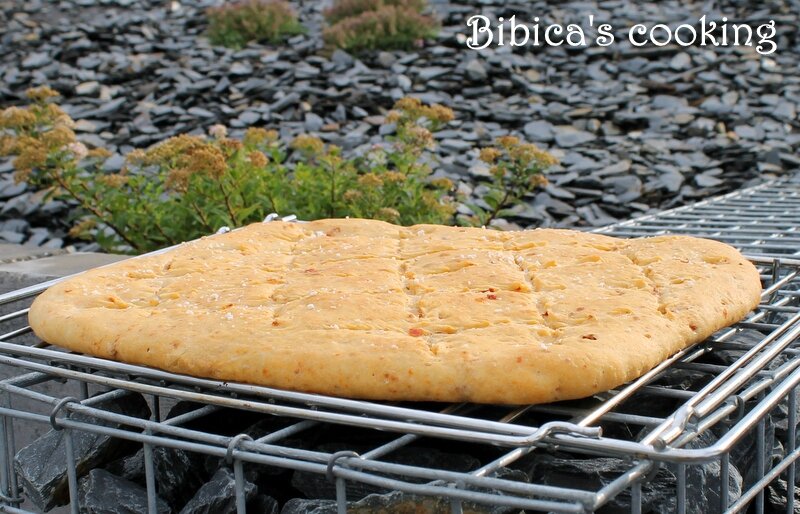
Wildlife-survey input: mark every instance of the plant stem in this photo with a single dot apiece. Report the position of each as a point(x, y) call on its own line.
point(499, 207)
point(91, 208)
point(158, 226)
point(333, 191)
point(202, 217)
point(225, 195)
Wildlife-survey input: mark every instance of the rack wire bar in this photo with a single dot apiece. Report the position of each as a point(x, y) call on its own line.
point(741, 378)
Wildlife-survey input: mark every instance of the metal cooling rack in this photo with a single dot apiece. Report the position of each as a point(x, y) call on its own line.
point(731, 400)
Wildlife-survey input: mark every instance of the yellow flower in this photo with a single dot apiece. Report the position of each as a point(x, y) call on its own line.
point(255, 136)
point(102, 153)
point(16, 118)
point(115, 180)
point(178, 179)
point(508, 141)
point(258, 159)
point(78, 149)
point(442, 183)
point(208, 160)
point(497, 171)
point(172, 149)
point(136, 157)
point(545, 158)
point(351, 195)
point(308, 145)
point(490, 155)
point(218, 131)
point(32, 153)
point(394, 177)
point(7, 144)
point(370, 180)
point(230, 146)
point(539, 180)
point(56, 115)
point(388, 214)
point(440, 113)
point(420, 137)
point(58, 136)
point(41, 93)
point(392, 116)
point(408, 103)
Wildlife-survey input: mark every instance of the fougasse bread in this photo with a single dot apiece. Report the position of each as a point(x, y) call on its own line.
point(365, 309)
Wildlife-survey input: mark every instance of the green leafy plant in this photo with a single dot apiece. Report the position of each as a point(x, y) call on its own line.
point(516, 168)
point(342, 9)
point(358, 25)
point(236, 24)
point(189, 186)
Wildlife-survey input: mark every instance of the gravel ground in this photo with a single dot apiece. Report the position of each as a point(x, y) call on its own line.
point(635, 128)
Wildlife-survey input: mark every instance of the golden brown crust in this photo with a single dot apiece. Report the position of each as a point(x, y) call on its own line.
point(366, 309)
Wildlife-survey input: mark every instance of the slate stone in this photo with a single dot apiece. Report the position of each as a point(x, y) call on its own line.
point(11, 236)
point(680, 61)
point(218, 495)
point(568, 137)
point(36, 60)
point(313, 123)
point(703, 482)
point(403, 82)
point(41, 466)
point(114, 163)
point(177, 473)
point(539, 131)
point(593, 474)
point(476, 71)
point(104, 493)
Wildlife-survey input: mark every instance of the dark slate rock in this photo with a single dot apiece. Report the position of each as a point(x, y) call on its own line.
point(671, 180)
point(568, 137)
point(263, 504)
point(313, 123)
point(218, 495)
point(114, 163)
point(476, 71)
point(177, 473)
point(41, 466)
point(432, 72)
point(680, 61)
point(703, 482)
point(10, 189)
point(539, 131)
point(704, 180)
point(593, 474)
point(36, 60)
point(626, 187)
point(104, 493)
point(403, 82)
point(11, 236)
point(342, 58)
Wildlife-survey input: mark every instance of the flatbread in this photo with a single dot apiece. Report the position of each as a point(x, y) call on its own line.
point(366, 309)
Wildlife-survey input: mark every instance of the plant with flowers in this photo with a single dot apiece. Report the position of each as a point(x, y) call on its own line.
point(190, 185)
point(516, 168)
point(234, 24)
point(362, 25)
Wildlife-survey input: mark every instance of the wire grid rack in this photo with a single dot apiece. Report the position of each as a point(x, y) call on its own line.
point(732, 399)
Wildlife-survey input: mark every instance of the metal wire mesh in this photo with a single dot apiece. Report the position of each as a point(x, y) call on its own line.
point(741, 377)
